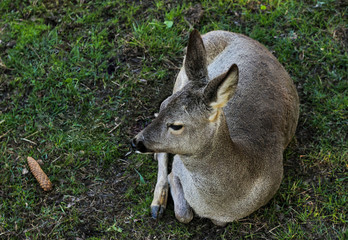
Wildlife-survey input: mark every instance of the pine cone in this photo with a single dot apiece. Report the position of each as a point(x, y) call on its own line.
point(40, 176)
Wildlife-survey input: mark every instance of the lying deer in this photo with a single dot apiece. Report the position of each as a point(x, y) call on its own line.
point(233, 111)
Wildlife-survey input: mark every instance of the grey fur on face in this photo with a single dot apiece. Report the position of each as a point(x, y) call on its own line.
point(233, 111)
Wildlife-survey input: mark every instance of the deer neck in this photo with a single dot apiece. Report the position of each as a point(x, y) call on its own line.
point(217, 149)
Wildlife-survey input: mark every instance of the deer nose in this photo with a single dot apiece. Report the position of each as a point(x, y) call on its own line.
point(139, 145)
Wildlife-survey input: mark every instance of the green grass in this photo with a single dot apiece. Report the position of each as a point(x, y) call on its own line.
point(78, 79)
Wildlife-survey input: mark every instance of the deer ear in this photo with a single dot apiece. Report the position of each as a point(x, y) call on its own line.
point(219, 90)
point(196, 59)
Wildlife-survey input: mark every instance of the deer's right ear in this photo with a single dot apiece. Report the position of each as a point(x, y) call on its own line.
point(196, 59)
point(219, 90)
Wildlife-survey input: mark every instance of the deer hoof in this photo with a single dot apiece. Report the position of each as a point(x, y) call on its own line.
point(158, 206)
point(157, 211)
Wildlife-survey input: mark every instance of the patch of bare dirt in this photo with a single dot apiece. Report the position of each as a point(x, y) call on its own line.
point(194, 15)
point(340, 34)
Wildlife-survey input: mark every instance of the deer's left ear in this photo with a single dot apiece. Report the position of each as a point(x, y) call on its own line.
point(219, 90)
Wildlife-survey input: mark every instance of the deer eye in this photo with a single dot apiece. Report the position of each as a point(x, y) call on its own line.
point(175, 127)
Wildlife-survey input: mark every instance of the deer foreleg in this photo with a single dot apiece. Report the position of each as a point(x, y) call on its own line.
point(183, 211)
point(159, 202)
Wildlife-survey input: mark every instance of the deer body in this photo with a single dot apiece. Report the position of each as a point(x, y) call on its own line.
point(233, 111)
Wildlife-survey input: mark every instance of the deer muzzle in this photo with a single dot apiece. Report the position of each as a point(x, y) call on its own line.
point(139, 145)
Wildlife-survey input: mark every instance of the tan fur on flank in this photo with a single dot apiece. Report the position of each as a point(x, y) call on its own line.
point(237, 110)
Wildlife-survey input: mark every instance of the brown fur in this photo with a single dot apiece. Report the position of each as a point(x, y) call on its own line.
point(238, 108)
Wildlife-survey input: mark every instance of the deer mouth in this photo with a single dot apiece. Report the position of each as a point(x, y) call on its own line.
point(139, 146)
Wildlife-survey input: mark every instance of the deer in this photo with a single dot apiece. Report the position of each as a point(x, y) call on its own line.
point(233, 111)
